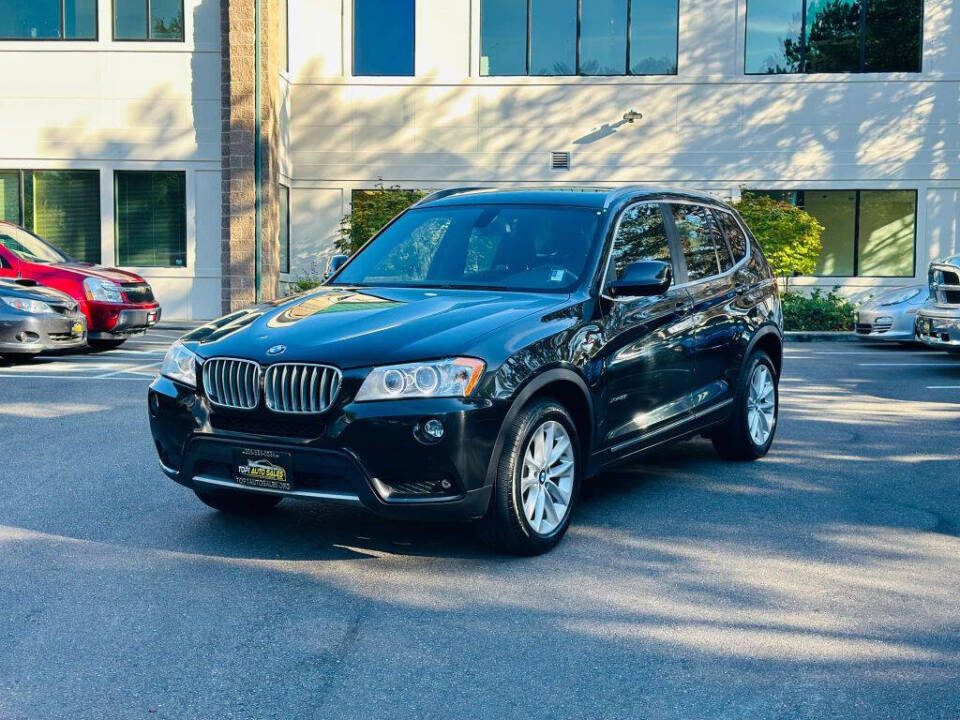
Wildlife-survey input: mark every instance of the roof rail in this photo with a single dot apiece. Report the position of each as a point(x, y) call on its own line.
point(440, 194)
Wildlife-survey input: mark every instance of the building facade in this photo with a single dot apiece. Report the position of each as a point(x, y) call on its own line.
point(130, 127)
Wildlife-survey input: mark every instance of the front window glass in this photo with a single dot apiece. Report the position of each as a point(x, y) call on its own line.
point(517, 247)
point(28, 247)
point(641, 236)
point(699, 240)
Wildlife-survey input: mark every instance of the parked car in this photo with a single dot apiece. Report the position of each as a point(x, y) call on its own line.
point(117, 304)
point(485, 353)
point(938, 322)
point(35, 318)
point(891, 315)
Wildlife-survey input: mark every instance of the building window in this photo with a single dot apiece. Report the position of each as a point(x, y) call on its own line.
point(60, 206)
point(148, 20)
point(834, 36)
point(383, 37)
point(48, 19)
point(867, 233)
point(572, 37)
point(151, 218)
point(284, 235)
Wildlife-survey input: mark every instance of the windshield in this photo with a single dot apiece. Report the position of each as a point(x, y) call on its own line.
point(515, 247)
point(29, 247)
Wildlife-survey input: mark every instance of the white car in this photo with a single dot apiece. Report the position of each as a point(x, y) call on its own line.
point(938, 322)
point(891, 315)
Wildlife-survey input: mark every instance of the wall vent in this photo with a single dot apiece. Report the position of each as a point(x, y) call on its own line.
point(560, 160)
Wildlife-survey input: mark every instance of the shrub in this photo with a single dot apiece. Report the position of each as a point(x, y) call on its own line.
point(790, 237)
point(370, 211)
point(817, 312)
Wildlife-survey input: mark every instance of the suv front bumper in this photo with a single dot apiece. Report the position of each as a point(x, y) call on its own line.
point(939, 328)
point(116, 322)
point(361, 453)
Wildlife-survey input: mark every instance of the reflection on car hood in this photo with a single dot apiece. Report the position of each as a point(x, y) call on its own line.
point(351, 327)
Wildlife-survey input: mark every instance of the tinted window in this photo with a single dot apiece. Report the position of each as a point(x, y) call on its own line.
point(603, 37)
point(699, 240)
point(148, 19)
point(383, 37)
point(566, 37)
point(653, 37)
point(735, 236)
point(553, 37)
point(151, 218)
point(837, 36)
point(48, 19)
point(503, 37)
point(510, 247)
point(642, 235)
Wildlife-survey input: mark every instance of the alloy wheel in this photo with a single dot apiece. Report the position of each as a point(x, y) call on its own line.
point(761, 405)
point(546, 480)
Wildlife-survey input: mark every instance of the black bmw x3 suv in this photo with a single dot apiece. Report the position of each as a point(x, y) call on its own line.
point(483, 355)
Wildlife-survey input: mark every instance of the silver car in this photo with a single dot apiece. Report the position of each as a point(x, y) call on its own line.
point(938, 322)
point(891, 314)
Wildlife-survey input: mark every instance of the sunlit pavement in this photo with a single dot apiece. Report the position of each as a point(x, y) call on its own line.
point(822, 582)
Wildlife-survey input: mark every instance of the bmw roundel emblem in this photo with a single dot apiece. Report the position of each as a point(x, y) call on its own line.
point(277, 350)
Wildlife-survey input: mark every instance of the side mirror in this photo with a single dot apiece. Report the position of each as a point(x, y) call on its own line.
point(336, 262)
point(642, 279)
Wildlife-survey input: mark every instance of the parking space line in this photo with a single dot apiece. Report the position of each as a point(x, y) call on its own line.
point(943, 387)
point(129, 371)
point(141, 378)
point(930, 364)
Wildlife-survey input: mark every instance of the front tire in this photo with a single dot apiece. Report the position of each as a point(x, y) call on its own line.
point(749, 432)
point(237, 502)
point(537, 483)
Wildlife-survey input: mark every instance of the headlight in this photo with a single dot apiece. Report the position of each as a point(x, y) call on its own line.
point(102, 290)
point(27, 306)
point(180, 364)
point(898, 296)
point(454, 377)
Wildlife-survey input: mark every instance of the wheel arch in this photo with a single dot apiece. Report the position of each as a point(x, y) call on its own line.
point(770, 341)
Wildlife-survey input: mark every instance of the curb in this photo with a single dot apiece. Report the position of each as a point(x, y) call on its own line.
point(175, 325)
point(801, 336)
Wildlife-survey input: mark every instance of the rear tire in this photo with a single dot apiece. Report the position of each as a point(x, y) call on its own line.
point(104, 345)
point(237, 502)
point(751, 427)
point(537, 483)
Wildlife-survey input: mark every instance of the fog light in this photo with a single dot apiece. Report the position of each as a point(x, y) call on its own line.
point(433, 429)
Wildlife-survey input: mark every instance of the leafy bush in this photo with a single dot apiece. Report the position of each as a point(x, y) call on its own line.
point(370, 211)
point(817, 312)
point(790, 237)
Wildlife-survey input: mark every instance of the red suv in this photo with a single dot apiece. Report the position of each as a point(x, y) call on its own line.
point(117, 303)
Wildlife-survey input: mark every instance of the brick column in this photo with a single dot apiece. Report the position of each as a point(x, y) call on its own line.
point(237, 92)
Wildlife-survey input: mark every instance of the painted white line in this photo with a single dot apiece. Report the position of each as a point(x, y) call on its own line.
point(68, 377)
point(953, 365)
point(129, 371)
point(918, 353)
point(943, 387)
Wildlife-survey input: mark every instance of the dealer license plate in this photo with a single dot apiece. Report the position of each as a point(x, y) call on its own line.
point(266, 469)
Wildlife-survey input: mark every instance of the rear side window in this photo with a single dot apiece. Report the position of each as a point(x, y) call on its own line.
point(734, 234)
point(641, 236)
point(700, 241)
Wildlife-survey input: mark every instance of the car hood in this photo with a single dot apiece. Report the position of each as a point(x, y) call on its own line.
point(35, 292)
point(97, 271)
point(353, 327)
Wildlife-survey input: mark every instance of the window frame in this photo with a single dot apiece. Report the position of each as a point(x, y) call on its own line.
point(803, 46)
point(353, 46)
point(63, 24)
point(800, 202)
point(116, 219)
point(113, 25)
point(578, 58)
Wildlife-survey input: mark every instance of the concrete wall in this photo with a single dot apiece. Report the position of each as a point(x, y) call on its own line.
point(710, 127)
point(109, 106)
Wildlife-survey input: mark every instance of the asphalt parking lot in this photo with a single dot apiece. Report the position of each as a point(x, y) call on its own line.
point(821, 582)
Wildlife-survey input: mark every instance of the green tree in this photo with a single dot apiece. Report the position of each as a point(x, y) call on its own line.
point(790, 237)
point(370, 211)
